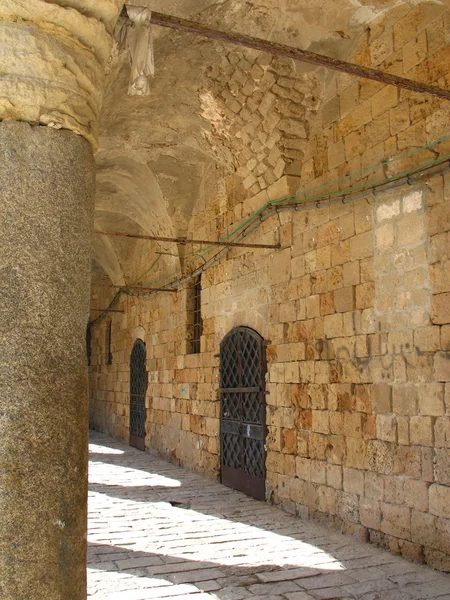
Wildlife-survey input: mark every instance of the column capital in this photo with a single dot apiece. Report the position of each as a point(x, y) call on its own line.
point(52, 61)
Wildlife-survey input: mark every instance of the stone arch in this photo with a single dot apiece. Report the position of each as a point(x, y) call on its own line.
point(139, 333)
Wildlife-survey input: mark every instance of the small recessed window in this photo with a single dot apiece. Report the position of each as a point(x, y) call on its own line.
point(195, 323)
point(88, 345)
point(109, 356)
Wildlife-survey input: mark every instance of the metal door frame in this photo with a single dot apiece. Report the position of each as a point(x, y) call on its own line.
point(137, 440)
point(240, 479)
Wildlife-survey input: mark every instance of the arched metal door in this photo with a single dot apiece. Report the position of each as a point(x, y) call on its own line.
point(242, 411)
point(138, 389)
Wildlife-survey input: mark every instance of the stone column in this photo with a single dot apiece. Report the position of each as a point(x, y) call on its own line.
point(52, 63)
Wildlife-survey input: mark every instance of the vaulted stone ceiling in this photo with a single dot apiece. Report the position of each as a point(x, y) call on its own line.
point(154, 150)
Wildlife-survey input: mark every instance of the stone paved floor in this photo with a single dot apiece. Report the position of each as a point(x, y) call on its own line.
point(159, 531)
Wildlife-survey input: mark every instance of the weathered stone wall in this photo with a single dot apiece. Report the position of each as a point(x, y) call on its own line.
point(355, 305)
point(260, 109)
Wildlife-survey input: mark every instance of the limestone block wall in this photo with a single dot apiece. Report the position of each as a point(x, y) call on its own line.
point(260, 108)
point(355, 305)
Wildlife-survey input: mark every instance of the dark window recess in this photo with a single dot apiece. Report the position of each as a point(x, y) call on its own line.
point(88, 345)
point(109, 356)
point(195, 315)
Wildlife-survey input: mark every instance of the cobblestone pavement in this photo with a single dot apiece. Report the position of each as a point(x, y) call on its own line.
point(159, 531)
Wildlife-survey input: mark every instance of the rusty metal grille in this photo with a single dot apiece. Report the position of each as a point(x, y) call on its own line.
point(109, 356)
point(242, 393)
point(198, 324)
point(253, 457)
point(231, 450)
point(195, 315)
point(88, 345)
point(138, 389)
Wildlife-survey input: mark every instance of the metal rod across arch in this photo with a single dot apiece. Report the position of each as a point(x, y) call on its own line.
point(184, 241)
point(135, 287)
point(298, 54)
point(106, 309)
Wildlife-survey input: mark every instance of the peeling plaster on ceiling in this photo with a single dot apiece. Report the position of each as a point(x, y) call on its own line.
point(155, 150)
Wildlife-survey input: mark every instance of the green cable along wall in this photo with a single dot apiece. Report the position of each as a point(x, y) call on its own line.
point(306, 199)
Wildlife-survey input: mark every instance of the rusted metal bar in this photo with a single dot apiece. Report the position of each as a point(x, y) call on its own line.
point(183, 241)
point(116, 392)
point(297, 54)
point(106, 310)
point(135, 287)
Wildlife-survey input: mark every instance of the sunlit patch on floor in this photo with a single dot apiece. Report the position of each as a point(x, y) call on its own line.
point(104, 449)
point(158, 531)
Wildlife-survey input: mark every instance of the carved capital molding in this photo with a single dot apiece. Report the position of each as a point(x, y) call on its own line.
point(52, 60)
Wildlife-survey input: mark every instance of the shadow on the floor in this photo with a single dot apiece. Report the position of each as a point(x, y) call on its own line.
point(181, 490)
point(336, 554)
point(167, 570)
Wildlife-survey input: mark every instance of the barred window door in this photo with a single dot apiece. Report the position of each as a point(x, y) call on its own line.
point(242, 410)
point(138, 389)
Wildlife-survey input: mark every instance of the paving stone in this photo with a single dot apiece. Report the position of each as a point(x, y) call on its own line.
point(389, 595)
point(234, 593)
point(286, 575)
point(331, 594)
point(281, 587)
point(134, 563)
point(370, 586)
point(271, 597)
point(174, 593)
point(325, 581)
point(429, 590)
point(368, 574)
point(195, 576)
point(159, 531)
point(209, 586)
